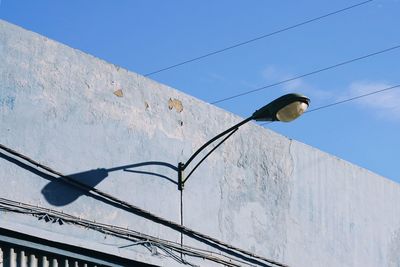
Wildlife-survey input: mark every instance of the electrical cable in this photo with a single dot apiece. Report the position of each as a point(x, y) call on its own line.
point(346, 100)
point(139, 239)
point(146, 214)
point(354, 98)
point(307, 74)
point(257, 38)
point(51, 214)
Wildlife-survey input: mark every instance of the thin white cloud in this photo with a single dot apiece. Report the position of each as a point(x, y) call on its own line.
point(384, 105)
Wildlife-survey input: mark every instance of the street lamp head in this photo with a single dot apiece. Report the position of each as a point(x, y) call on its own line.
point(285, 108)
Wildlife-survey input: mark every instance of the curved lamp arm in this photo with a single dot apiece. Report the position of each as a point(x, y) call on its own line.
point(285, 108)
point(182, 166)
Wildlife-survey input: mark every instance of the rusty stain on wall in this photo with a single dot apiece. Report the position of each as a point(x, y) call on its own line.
point(175, 104)
point(119, 93)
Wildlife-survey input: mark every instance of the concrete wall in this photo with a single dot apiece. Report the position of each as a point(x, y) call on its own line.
point(260, 191)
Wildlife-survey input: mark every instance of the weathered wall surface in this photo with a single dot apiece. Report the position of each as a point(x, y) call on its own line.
point(124, 134)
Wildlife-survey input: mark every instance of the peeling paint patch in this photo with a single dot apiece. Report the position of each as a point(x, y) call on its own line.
point(119, 93)
point(175, 104)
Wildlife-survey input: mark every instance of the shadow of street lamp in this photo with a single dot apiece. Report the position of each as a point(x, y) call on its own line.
point(285, 108)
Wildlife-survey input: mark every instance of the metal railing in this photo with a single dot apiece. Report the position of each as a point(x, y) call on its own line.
point(11, 256)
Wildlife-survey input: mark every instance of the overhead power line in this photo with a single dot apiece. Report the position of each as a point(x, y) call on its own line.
point(355, 98)
point(257, 38)
point(347, 100)
point(307, 74)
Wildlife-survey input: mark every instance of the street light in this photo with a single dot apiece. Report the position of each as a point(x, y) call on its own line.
point(285, 108)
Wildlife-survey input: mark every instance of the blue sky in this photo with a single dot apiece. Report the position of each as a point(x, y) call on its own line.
point(147, 35)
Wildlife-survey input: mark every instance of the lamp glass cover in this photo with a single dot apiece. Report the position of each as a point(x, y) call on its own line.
point(291, 111)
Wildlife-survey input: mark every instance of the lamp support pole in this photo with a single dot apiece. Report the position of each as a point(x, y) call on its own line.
point(182, 166)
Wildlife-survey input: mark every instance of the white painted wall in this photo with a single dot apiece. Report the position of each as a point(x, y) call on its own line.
point(260, 191)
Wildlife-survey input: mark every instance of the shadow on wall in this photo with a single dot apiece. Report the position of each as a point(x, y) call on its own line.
point(55, 194)
point(59, 193)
